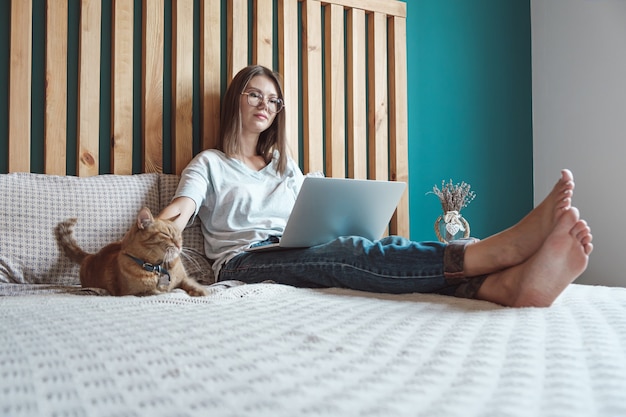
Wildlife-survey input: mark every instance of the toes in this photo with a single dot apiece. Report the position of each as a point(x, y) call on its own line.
point(571, 216)
point(565, 203)
point(566, 175)
point(580, 230)
point(564, 190)
point(568, 188)
point(582, 233)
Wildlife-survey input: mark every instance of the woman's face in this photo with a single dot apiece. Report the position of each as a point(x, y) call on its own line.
point(261, 91)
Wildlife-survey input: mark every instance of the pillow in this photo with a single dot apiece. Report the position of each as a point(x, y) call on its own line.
point(197, 265)
point(33, 204)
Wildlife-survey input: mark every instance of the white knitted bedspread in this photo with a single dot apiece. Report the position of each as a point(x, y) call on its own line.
point(273, 350)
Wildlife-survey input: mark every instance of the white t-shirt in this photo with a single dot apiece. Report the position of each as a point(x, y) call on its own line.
point(236, 204)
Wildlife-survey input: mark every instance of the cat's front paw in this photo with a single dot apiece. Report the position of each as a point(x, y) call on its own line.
point(197, 292)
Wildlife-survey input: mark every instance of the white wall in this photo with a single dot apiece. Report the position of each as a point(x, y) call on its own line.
point(579, 118)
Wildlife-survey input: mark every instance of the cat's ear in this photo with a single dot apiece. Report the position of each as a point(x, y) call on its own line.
point(144, 218)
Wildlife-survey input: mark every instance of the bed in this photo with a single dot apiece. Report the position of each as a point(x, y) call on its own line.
point(112, 146)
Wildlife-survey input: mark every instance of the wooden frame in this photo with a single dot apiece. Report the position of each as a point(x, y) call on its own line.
point(343, 67)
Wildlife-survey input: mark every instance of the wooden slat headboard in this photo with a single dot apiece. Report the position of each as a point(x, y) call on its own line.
point(343, 64)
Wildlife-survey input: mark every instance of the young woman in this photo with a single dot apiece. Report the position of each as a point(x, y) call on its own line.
point(244, 190)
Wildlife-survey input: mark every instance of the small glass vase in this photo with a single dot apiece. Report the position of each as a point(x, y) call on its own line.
point(451, 226)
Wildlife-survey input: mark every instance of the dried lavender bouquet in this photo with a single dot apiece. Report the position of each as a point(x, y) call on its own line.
point(453, 198)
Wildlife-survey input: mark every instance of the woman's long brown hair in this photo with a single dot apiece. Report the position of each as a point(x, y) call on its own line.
point(273, 138)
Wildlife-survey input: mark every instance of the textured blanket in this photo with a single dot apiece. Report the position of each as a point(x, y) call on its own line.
point(273, 350)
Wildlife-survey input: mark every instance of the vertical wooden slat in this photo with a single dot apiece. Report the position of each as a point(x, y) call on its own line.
point(182, 83)
point(122, 88)
point(398, 120)
point(20, 77)
point(312, 86)
point(89, 87)
point(377, 81)
point(237, 12)
point(263, 49)
point(210, 67)
point(335, 92)
point(288, 66)
point(357, 95)
point(55, 130)
point(152, 86)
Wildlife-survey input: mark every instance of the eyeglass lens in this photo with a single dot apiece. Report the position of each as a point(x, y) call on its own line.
point(273, 104)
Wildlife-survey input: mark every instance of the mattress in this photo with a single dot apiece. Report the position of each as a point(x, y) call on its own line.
point(273, 350)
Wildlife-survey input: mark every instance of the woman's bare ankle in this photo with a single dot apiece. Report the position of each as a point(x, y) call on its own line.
point(497, 289)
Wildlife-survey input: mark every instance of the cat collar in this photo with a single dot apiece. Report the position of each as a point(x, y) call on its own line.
point(163, 274)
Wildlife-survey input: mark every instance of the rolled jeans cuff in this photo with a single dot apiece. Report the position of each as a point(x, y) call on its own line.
point(453, 258)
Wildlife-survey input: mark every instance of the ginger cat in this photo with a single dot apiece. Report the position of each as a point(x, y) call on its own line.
point(146, 261)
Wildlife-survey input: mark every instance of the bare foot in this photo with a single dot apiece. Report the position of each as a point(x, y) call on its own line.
point(540, 280)
point(519, 242)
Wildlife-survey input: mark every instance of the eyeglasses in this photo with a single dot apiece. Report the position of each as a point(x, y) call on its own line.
point(274, 104)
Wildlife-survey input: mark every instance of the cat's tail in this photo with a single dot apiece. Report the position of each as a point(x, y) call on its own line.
point(65, 238)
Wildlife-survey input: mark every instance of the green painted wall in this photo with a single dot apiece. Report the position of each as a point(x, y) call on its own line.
point(469, 105)
point(470, 115)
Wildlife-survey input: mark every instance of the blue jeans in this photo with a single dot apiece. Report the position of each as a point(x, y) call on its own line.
point(390, 265)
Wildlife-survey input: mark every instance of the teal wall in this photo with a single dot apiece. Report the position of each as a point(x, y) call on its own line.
point(470, 115)
point(469, 106)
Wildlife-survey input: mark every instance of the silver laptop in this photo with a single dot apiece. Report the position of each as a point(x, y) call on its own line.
point(327, 208)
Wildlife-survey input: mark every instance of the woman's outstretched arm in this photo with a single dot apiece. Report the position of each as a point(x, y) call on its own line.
point(180, 210)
